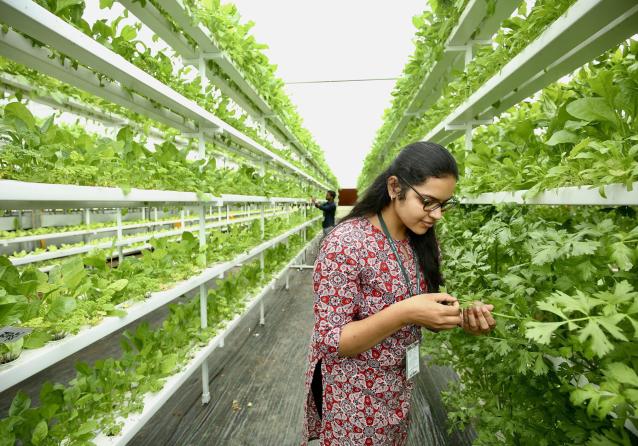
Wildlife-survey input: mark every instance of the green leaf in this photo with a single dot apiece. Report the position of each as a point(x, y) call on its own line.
point(592, 109)
point(128, 33)
point(169, 363)
point(40, 432)
point(540, 368)
point(118, 285)
point(60, 307)
point(552, 308)
point(610, 323)
point(579, 396)
point(621, 373)
point(599, 342)
point(622, 255)
point(541, 332)
point(20, 403)
point(19, 111)
point(36, 339)
point(47, 124)
point(63, 4)
point(562, 137)
point(104, 4)
point(117, 312)
point(87, 428)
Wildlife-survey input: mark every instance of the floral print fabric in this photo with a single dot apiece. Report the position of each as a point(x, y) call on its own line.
point(365, 398)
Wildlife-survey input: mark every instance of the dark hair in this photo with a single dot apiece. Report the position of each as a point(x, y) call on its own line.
point(332, 193)
point(416, 163)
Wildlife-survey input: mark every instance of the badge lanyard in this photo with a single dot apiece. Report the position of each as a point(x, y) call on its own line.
point(408, 282)
point(412, 352)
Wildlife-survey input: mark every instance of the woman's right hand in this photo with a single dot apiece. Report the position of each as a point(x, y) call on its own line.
point(437, 311)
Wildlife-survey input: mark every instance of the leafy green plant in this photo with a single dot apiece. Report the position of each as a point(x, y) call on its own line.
point(82, 290)
point(563, 281)
point(515, 34)
point(124, 41)
point(51, 154)
point(582, 132)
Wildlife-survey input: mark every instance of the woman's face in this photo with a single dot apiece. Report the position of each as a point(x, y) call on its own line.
point(410, 209)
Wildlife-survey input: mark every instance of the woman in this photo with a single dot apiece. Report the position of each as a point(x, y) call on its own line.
point(376, 283)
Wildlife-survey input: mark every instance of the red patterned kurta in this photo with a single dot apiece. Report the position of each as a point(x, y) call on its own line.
point(366, 398)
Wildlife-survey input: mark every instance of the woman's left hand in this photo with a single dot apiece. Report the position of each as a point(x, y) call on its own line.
point(477, 319)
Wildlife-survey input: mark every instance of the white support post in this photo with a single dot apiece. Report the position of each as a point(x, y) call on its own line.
point(201, 64)
point(155, 216)
point(203, 297)
point(468, 54)
point(201, 145)
point(143, 213)
point(262, 223)
point(120, 249)
point(219, 213)
point(262, 320)
point(468, 147)
point(87, 222)
point(202, 228)
point(182, 217)
point(227, 215)
point(203, 301)
point(467, 127)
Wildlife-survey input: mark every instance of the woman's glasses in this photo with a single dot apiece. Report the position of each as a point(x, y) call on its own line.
point(431, 204)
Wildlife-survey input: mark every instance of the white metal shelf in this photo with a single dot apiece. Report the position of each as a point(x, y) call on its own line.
point(475, 24)
point(60, 253)
point(31, 362)
point(232, 198)
point(12, 84)
point(24, 195)
point(107, 229)
point(154, 401)
point(37, 22)
point(616, 195)
point(587, 29)
point(209, 50)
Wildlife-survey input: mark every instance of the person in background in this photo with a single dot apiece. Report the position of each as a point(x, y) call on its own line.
point(329, 209)
point(377, 282)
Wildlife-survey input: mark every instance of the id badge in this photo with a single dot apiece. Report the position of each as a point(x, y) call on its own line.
point(412, 360)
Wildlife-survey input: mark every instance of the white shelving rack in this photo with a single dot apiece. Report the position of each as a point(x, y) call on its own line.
point(12, 84)
point(233, 84)
point(128, 86)
point(615, 195)
point(176, 111)
point(31, 362)
point(122, 243)
point(476, 26)
point(110, 229)
point(26, 195)
point(585, 31)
